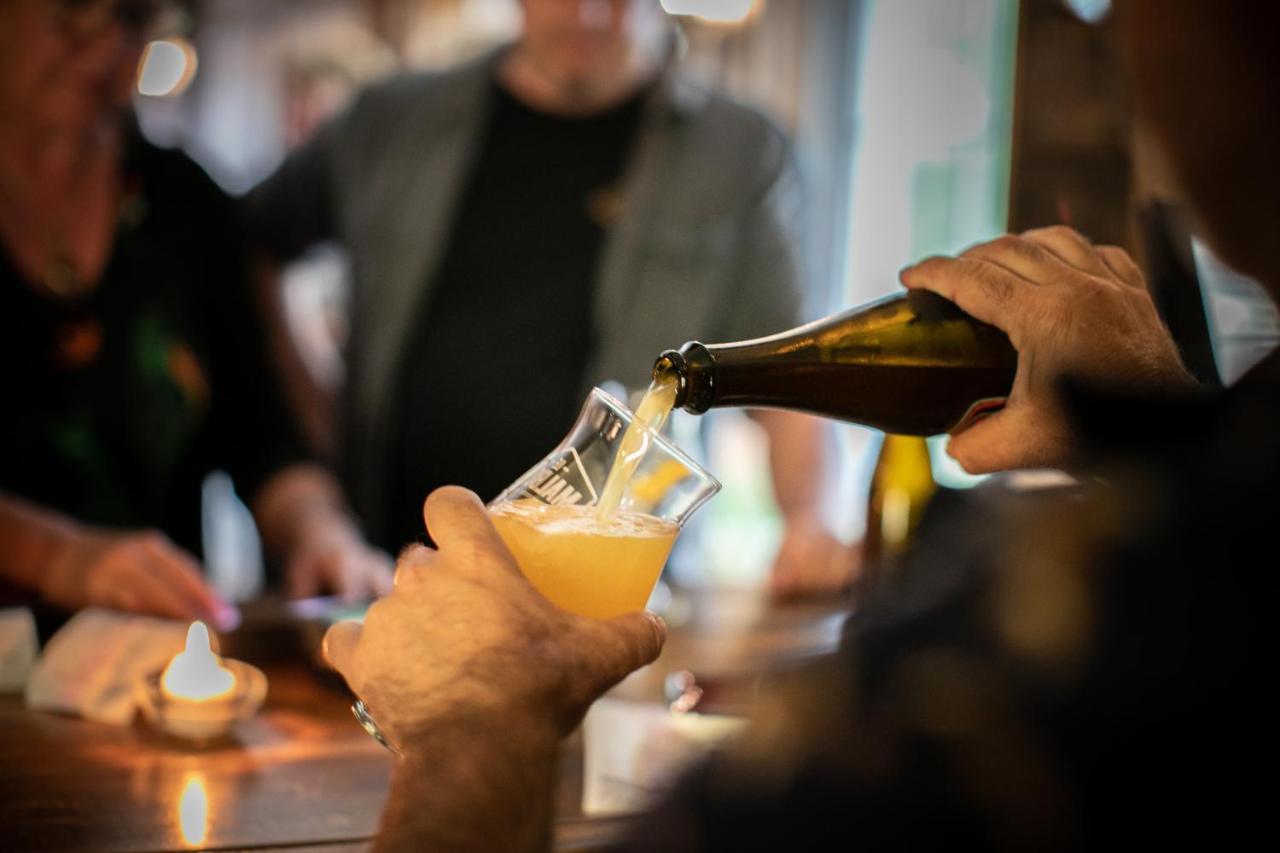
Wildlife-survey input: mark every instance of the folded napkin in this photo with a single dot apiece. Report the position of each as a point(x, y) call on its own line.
point(632, 751)
point(92, 665)
point(18, 646)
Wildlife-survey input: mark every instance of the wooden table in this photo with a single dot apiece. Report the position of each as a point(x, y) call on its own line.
point(302, 774)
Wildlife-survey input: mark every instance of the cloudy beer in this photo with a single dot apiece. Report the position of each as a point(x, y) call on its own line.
point(592, 567)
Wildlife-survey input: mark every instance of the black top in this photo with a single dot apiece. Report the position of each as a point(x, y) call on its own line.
point(1085, 671)
point(492, 375)
point(118, 404)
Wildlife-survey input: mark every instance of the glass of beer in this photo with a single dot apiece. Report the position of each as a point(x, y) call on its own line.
point(587, 558)
point(591, 559)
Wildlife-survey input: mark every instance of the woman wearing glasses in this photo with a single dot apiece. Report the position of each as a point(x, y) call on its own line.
point(129, 357)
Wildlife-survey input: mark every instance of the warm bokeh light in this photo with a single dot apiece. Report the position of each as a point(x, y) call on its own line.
point(193, 811)
point(717, 11)
point(197, 673)
point(167, 67)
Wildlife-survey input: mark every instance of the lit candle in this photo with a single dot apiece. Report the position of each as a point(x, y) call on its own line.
point(199, 695)
point(197, 674)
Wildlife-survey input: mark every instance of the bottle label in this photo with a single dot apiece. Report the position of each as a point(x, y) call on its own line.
point(979, 410)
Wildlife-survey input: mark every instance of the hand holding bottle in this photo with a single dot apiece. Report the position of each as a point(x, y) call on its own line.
point(1069, 308)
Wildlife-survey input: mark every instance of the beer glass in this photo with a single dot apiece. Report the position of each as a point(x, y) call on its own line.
point(592, 566)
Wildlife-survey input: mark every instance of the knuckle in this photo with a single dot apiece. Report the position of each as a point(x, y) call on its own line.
point(1004, 246)
point(931, 266)
point(1008, 244)
point(1061, 232)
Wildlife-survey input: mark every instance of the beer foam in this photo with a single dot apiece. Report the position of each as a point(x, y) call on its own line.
point(582, 520)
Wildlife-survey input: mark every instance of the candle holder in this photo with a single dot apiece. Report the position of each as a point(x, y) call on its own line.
point(202, 720)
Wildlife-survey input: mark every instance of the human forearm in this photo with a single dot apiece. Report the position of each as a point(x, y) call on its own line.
point(72, 565)
point(800, 454)
point(472, 785)
point(810, 558)
point(29, 540)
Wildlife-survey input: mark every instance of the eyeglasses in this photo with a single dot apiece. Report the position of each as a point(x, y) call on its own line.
point(91, 16)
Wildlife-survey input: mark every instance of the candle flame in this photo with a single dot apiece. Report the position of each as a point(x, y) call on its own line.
point(193, 811)
point(197, 673)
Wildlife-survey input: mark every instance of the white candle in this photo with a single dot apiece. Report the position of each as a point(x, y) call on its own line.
point(197, 674)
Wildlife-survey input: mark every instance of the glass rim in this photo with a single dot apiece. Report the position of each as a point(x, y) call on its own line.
point(684, 458)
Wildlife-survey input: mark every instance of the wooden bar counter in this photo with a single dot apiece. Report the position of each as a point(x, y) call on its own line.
point(302, 774)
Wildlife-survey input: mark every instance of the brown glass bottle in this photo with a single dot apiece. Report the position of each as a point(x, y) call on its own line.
point(911, 364)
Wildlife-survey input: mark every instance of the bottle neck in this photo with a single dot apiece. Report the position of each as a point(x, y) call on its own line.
point(694, 368)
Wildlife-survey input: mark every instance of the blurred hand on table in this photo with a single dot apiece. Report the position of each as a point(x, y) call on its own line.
point(305, 521)
point(812, 562)
point(332, 556)
point(1070, 309)
point(139, 571)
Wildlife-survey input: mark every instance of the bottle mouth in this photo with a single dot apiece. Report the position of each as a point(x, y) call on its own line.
point(671, 365)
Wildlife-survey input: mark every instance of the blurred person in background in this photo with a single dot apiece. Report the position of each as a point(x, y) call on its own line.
point(530, 224)
point(324, 64)
point(131, 358)
point(1089, 673)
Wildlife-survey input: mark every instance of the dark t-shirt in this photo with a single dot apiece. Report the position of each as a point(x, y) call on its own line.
point(491, 378)
point(119, 403)
point(1085, 671)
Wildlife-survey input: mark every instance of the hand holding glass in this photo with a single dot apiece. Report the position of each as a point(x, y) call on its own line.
point(589, 565)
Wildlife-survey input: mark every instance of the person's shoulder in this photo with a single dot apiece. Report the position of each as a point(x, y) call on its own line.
point(730, 127)
point(410, 91)
point(722, 111)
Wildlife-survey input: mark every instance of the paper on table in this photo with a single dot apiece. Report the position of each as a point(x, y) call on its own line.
point(18, 646)
point(90, 667)
point(634, 750)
